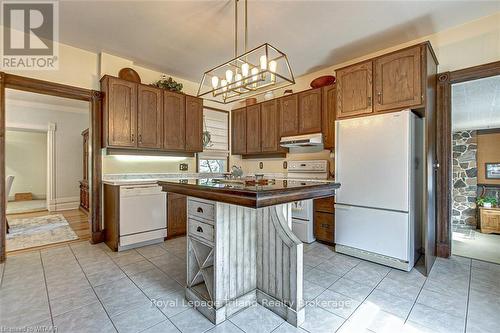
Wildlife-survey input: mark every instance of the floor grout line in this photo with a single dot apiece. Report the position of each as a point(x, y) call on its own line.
point(91, 286)
point(46, 289)
point(468, 297)
point(142, 291)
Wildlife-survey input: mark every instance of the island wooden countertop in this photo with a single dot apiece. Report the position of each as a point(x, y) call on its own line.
point(256, 196)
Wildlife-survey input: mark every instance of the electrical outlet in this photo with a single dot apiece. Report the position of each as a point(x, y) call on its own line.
point(183, 167)
point(261, 165)
point(285, 165)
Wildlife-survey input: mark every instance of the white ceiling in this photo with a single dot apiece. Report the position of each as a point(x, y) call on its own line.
point(185, 38)
point(476, 104)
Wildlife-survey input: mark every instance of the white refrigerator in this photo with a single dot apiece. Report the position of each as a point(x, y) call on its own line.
point(378, 207)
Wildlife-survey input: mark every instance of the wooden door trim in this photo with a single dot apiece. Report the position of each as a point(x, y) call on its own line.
point(94, 98)
point(443, 149)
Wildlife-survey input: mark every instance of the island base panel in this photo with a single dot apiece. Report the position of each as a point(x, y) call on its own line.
point(240, 256)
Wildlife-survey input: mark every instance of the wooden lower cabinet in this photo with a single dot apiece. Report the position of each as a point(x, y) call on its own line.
point(176, 215)
point(324, 220)
point(490, 220)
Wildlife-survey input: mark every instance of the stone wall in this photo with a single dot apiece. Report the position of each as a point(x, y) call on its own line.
point(464, 179)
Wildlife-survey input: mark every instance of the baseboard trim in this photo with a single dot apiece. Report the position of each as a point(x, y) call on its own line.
point(67, 203)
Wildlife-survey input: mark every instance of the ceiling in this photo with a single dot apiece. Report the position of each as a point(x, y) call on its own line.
point(185, 38)
point(476, 104)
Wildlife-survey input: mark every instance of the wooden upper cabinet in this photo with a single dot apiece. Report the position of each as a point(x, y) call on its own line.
point(329, 113)
point(310, 111)
point(354, 90)
point(398, 80)
point(239, 131)
point(194, 124)
point(121, 112)
point(174, 121)
point(289, 115)
point(253, 129)
point(269, 119)
point(149, 117)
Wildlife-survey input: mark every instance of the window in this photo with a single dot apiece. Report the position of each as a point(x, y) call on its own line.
point(212, 165)
point(214, 158)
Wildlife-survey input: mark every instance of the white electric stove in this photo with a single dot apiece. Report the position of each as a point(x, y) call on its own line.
point(303, 211)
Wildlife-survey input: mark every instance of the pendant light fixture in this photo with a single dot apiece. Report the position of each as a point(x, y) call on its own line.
point(262, 69)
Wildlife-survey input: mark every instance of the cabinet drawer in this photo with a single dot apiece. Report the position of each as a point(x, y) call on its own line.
point(198, 229)
point(324, 226)
point(201, 209)
point(324, 204)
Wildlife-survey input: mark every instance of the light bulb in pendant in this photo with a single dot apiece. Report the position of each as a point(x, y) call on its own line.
point(237, 79)
point(255, 71)
point(223, 84)
point(272, 68)
point(263, 62)
point(215, 82)
point(245, 69)
point(229, 76)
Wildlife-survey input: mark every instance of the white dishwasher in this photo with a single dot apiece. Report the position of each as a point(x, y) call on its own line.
point(143, 211)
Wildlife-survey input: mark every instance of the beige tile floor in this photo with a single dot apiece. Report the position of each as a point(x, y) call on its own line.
point(472, 243)
point(87, 288)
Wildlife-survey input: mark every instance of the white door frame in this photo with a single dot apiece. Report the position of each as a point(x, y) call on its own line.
point(50, 129)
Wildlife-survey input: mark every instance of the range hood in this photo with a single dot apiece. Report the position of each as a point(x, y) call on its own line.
point(308, 140)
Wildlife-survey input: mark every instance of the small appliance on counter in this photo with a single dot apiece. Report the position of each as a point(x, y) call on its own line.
point(303, 211)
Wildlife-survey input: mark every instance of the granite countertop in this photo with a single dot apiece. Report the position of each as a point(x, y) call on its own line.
point(254, 196)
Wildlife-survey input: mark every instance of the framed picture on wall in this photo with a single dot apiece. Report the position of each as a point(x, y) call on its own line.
point(492, 170)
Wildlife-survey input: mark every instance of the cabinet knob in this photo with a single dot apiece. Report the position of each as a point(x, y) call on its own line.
point(199, 210)
point(133, 137)
point(199, 229)
point(379, 94)
point(140, 138)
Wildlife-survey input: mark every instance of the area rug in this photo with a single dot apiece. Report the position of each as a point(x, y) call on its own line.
point(38, 231)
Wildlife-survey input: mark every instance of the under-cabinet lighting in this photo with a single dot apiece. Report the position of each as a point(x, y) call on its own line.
point(142, 158)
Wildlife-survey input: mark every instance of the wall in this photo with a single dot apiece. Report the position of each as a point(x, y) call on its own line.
point(26, 160)
point(488, 143)
point(145, 164)
point(68, 141)
point(464, 178)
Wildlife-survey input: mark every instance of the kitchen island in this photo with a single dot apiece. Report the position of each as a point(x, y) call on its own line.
point(241, 248)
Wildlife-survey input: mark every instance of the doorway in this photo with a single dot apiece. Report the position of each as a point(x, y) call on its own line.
point(469, 153)
point(475, 188)
point(94, 99)
point(44, 169)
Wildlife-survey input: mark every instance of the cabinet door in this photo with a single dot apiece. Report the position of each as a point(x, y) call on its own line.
point(253, 129)
point(149, 117)
point(122, 113)
point(194, 124)
point(239, 131)
point(324, 226)
point(398, 80)
point(289, 115)
point(269, 126)
point(310, 111)
point(328, 122)
point(354, 90)
point(176, 214)
point(174, 121)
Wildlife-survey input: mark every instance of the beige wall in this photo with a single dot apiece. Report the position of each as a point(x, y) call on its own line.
point(145, 164)
point(26, 160)
point(488, 151)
